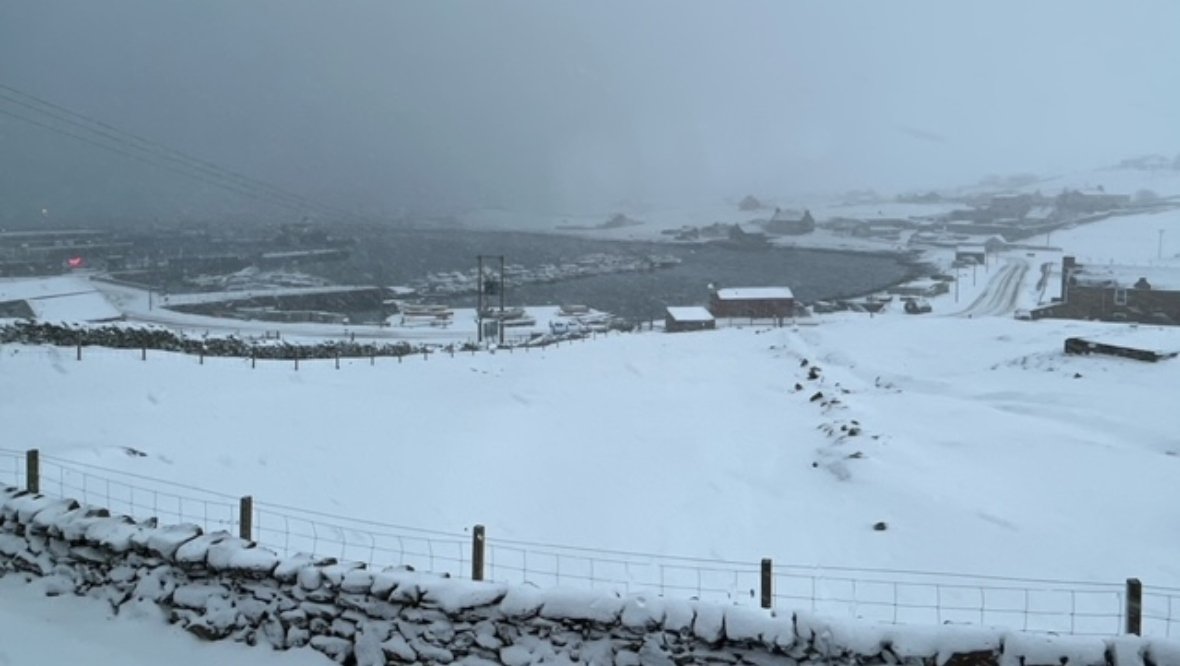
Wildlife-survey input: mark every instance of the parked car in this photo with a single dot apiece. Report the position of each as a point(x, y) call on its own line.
point(918, 306)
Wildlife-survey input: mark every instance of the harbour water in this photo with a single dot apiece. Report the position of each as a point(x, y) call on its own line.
point(404, 257)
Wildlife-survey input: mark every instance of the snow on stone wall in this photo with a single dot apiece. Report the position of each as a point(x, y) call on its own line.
point(220, 587)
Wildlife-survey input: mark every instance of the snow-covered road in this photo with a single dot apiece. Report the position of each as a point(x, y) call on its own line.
point(1001, 296)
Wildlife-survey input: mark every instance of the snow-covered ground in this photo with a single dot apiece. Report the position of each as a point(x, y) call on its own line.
point(36, 630)
point(692, 444)
point(1132, 239)
point(138, 306)
point(62, 298)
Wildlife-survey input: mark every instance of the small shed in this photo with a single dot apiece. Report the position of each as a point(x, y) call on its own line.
point(753, 302)
point(680, 319)
point(975, 253)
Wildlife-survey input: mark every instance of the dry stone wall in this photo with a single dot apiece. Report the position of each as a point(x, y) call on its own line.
point(220, 587)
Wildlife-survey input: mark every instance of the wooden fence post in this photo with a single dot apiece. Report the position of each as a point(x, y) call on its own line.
point(477, 552)
point(246, 518)
point(296, 361)
point(1134, 611)
point(143, 353)
point(337, 360)
point(79, 356)
point(253, 359)
point(767, 583)
point(33, 471)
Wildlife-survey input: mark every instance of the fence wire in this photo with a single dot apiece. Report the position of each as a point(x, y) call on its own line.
point(924, 598)
point(138, 496)
point(12, 467)
point(882, 595)
point(289, 530)
point(1160, 608)
point(621, 572)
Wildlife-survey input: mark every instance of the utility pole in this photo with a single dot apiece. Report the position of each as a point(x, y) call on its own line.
point(500, 328)
point(481, 286)
point(479, 297)
point(1160, 248)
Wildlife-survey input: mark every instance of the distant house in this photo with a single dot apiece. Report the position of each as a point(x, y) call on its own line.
point(740, 239)
point(971, 253)
point(1144, 294)
point(789, 222)
point(1091, 202)
point(750, 202)
point(680, 319)
point(752, 302)
point(1012, 205)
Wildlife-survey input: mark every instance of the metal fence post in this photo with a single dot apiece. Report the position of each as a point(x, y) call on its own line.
point(767, 583)
point(1134, 612)
point(33, 471)
point(477, 552)
point(246, 518)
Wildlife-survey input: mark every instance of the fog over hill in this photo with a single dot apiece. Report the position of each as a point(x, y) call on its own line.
point(390, 108)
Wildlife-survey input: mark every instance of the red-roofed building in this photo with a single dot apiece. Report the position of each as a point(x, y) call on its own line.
point(752, 302)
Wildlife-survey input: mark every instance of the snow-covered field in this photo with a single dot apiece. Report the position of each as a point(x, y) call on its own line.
point(1131, 240)
point(63, 298)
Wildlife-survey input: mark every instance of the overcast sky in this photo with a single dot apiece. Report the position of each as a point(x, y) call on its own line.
point(389, 105)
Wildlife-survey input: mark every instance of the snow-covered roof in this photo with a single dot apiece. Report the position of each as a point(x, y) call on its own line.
point(690, 313)
point(1039, 213)
point(753, 293)
point(971, 247)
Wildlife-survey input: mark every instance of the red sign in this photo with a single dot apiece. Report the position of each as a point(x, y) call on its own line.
point(75, 262)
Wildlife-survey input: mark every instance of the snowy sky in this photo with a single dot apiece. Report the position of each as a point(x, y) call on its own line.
point(381, 105)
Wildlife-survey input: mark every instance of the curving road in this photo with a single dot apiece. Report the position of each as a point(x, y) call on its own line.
point(1002, 294)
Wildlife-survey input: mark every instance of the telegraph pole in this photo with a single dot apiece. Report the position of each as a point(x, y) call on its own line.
point(481, 286)
point(479, 297)
point(1160, 248)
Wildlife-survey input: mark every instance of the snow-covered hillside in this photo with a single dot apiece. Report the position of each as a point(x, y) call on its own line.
point(977, 441)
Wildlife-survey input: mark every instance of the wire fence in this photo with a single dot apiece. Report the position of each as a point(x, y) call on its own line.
point(881, 595)
point(140, 497)
point(289, 530)
point(62, 356)
point(1071, 607)
point(12, 467)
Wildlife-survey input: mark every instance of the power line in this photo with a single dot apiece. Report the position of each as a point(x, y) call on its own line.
point(134, 156)
point(126, 146)
point(153, 152)
point(155, 146)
